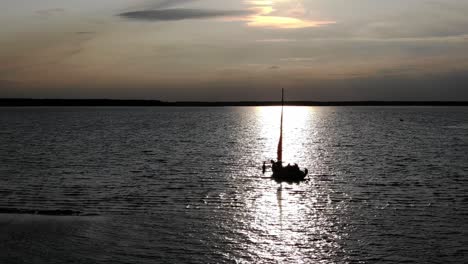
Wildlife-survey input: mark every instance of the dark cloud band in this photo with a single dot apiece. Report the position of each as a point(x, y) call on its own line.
point(181, 14)
point(170, 3)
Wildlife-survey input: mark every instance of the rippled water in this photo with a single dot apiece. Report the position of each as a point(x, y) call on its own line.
point(172, 185)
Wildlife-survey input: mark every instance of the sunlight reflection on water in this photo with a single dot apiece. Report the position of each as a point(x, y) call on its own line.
point(287, 223)
point(296, 131)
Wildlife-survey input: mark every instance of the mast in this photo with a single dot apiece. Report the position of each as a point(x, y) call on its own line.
point(280, 143)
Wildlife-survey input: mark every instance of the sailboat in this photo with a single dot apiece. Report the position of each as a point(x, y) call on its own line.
point(285, 173)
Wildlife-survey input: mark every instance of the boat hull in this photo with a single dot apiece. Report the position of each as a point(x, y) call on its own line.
point(284, 174)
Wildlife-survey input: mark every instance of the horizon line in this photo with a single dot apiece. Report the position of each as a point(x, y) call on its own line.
point(5, 102)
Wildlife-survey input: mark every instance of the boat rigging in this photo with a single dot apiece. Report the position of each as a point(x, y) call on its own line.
point(285, 173)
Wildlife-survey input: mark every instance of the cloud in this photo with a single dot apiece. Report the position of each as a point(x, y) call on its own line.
point(4, 83)
point(284, 22)
point(265, 14)
point(298, 59)
point(276, 40)
point(170, 3)
point(181, 14)
point(281, 14)
point(50, 12)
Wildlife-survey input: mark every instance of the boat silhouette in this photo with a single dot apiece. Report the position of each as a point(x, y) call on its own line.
point(289, 173)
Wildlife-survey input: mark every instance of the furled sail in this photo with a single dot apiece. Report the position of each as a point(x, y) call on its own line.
point(280, 143)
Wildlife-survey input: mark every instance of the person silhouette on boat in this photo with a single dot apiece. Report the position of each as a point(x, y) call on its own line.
point(295, 167)
point(264, 167)
point(274, 164)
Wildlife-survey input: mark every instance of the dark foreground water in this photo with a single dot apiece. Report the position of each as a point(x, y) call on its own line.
point(179, 185)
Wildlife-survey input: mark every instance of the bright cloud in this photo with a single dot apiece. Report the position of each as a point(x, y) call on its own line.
point(284, 14)
point(284, 22)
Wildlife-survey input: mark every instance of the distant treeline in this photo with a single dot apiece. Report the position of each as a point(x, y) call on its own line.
point(111, 102)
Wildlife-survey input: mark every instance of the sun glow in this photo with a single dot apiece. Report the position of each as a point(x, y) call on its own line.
point(284, 22)
point(287, 17)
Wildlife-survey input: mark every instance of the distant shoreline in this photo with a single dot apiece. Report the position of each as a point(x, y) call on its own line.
point(19, 102)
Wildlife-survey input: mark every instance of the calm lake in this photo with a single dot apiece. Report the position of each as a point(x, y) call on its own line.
point(184, 185)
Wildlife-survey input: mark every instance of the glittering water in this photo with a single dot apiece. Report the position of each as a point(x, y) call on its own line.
point(156, 185)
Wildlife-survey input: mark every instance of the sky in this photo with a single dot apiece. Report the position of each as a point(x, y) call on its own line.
point(235, 50)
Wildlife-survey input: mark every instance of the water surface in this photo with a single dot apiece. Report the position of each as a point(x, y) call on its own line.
point(173, 185)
